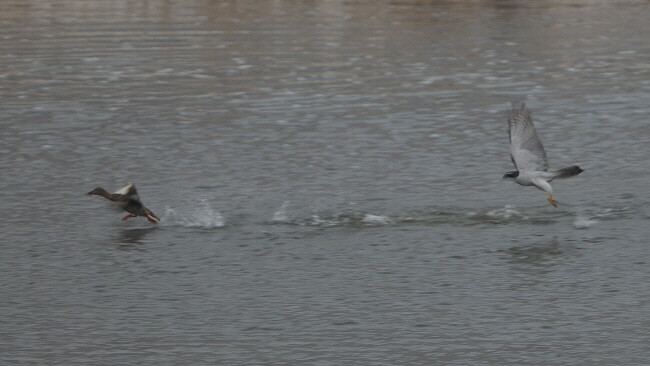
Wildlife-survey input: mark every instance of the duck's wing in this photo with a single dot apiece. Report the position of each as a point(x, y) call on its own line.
point(526, 148)
point(129, 192)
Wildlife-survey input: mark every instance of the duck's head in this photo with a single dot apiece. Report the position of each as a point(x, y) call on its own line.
point(99, 191)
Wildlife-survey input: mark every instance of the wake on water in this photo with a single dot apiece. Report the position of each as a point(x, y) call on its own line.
point(281, 214)
point(203, 217)
point(583, 222)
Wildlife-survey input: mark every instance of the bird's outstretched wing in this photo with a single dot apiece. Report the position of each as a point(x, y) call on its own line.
point(129, 192)
point(526, 149)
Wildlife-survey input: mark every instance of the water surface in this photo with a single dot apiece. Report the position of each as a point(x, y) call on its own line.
point(328, 176)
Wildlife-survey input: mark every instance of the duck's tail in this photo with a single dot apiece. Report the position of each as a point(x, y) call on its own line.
point(567, 172)
point(151, 217)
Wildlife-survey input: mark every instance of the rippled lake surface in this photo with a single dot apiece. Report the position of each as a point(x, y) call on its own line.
point(329, 179)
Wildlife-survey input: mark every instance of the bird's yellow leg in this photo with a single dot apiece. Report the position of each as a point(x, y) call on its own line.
point(127, 217)
point(550, 199)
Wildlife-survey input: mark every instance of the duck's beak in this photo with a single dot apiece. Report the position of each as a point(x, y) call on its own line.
point(89, 193)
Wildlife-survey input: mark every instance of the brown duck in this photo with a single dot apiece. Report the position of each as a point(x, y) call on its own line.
point(127, 198)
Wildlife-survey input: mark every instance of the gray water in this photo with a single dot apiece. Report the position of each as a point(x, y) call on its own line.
point(328, 175)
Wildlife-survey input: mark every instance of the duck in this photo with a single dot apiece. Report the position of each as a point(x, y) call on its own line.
point(127, 199)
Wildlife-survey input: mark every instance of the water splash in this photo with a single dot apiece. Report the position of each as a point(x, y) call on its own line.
point(204, 217)
point(375, 219)
point(316, 220)
point(364, 219)
point(281, 214)
point(583, 222)
point(350, 219)
point(505, 213)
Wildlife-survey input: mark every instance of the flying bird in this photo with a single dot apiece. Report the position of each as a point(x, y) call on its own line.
point(528, 155)
point(127, 198)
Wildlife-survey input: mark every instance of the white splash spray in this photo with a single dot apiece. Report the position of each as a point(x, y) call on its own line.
point(375, 219)
point(505, 213)
point(583, 222)
point(204, 217)
point(281, 214)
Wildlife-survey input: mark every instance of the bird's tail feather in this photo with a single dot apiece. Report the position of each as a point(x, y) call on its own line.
point(567, 172)
point(150, 215)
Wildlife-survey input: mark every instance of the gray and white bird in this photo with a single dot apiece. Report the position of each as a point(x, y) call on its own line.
point(528, 155)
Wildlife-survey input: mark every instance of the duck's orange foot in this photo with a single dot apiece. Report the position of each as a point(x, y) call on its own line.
point(550, 199)
point(127, 217)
